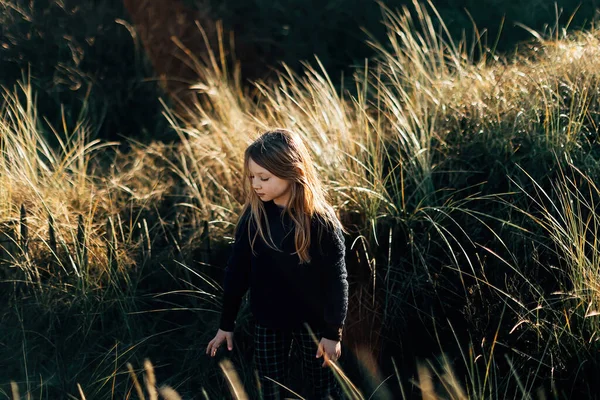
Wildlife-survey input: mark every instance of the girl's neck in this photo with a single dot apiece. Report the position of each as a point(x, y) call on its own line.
point(281, 207)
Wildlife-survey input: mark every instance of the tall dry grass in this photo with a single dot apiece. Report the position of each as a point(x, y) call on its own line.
point(58, 175)
point(51, 181)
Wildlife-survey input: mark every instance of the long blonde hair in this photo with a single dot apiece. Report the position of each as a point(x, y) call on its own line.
point(284, 154)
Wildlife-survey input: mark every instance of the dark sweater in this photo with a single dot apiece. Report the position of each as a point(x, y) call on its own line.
point(285, 294)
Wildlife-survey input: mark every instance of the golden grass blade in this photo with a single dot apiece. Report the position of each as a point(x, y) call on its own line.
point(453, 384)
point(426, 382)
point(15, 390)
point(81, 392)
point(348, 387)
point(150, 380)
point(235, 385)
point(169, 393)
point(136, 382)
point(285, 387)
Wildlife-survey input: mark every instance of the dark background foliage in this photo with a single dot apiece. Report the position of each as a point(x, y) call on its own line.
point(294, 30)
point(82, 54)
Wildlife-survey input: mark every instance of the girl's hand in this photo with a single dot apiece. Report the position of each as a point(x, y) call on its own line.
point(214, 344)
point(329, 350)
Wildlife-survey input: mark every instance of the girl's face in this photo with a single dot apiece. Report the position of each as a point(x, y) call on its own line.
point(267, 186)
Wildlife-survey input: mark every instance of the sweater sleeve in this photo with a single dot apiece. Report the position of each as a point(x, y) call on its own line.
point(336, 283)
point(237, 275)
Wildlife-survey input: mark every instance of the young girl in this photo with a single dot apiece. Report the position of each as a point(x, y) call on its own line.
point(289, 250)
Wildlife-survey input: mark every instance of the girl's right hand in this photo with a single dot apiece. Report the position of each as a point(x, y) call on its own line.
point(214, 344)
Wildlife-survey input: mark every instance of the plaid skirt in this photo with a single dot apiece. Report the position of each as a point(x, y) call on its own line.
point(272, 351)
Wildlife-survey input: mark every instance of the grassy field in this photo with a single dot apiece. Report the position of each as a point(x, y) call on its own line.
point(467, 181)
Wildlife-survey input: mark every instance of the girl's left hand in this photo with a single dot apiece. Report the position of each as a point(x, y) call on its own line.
point(329, 350)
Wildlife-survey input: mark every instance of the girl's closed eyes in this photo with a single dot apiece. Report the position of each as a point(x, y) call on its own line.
point(263, 180)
